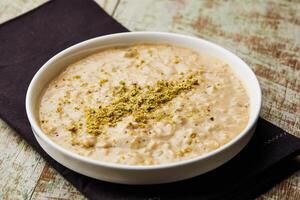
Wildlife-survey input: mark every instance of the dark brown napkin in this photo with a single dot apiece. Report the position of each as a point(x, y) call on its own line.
point(27, 42)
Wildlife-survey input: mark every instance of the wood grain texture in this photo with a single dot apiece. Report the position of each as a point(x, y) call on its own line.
point(265, 33)
point(10, 9)
point(23, 173)
point(20, 166)
point(53, 186)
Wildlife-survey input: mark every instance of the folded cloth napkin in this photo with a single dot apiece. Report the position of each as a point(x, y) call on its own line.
point(27, 42)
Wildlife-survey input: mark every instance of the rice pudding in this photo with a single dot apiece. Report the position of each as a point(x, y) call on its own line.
point(144, 104)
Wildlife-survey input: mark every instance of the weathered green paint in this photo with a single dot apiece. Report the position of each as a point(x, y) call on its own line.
point(266, 34)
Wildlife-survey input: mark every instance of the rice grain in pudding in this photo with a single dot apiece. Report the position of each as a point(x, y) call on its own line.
point(144, 104)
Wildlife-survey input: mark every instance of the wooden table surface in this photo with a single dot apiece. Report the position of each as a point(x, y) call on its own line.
point(265, 33)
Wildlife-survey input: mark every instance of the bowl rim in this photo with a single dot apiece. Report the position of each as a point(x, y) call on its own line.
point(39, 133)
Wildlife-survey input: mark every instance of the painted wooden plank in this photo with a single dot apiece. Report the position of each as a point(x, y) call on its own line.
point(108, 5)
point(264, 33)
point(10, 9)
point(51, 185)
point(20, 166)
point(23, 173)
point(288, 189)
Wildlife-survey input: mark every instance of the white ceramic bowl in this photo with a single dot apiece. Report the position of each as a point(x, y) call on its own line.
point(126, 174)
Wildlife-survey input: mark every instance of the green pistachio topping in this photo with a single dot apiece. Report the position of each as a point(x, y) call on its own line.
point(139, 102)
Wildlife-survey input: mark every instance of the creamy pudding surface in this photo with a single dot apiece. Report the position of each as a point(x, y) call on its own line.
point(144, 105)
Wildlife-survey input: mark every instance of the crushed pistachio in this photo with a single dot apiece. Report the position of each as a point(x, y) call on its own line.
point(140, 64)
point(130, 125)
point(114, 69)
point(150, 52)
point(102, 81)
point(122, 157)
point(163, 116)
point(75, 140)
point(177, 60)
point(58, 109)
point(72, 128)
point(195, 110)
point(66, 101)
point(193, 135)
point(83, 84)
point(76, 77)
point(131, 53)
point(121, 89)
point(136, 101)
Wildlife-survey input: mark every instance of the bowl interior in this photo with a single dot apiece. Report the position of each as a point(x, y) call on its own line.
point(59, 62)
